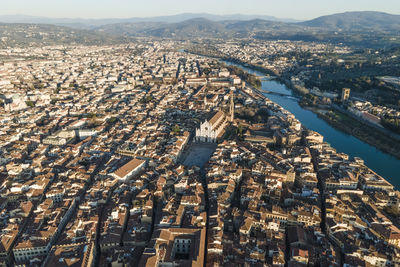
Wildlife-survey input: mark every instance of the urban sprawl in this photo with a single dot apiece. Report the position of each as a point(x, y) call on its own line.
point(142, 155)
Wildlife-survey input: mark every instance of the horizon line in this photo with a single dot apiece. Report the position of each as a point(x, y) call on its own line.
point(187, 13)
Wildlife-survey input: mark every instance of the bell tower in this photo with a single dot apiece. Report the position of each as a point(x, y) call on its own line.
point(232, 109)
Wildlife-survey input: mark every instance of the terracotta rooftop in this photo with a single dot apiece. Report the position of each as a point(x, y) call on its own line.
point(216, 117)
point(128, 167)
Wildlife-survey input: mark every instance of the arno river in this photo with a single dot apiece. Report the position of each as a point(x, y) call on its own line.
point(382, 163)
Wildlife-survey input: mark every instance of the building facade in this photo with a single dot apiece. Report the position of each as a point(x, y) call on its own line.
point(345, 94)
point(211, 130)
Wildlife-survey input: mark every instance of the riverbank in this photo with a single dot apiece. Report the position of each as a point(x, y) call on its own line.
point(259, 68)
point(347, 124)
point(385, 164)
point(365, 133)
point(351, 126)
point(298, 89)
point(360, 130)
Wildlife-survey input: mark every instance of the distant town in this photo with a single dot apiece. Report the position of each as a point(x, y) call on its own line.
point(158, 153)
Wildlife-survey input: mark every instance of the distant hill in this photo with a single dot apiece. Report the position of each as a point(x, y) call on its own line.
point(42, 34)
point(360, 29)
point(357, 21)
point(365, 22)
point(129, 29)
point(93, 23)
point(259, 25)
point(198, 27)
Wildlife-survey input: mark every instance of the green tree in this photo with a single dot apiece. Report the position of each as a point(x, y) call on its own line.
point(240, 131)
point(176, 129)
point(30, 103)
point(112, 120)
point(91, 115)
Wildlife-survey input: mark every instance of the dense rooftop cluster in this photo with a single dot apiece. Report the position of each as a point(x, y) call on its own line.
point(278, 56)
point(95, 168)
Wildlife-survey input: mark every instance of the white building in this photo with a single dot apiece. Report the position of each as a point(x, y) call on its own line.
point(54, 140)
point(85, 133)
point(212, 129)
point(14, 103)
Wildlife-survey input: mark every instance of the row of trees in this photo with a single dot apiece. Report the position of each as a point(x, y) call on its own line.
point(253, 80)
point(252, 114)
point(392, 124)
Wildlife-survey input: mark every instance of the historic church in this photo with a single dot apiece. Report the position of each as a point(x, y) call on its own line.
point(211, 130)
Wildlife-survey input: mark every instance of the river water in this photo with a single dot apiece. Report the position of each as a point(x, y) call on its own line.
point(382, 163)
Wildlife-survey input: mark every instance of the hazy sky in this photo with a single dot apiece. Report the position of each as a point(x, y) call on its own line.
point(297, 9)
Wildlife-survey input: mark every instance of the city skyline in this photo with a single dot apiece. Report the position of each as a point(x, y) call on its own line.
point(308, 9)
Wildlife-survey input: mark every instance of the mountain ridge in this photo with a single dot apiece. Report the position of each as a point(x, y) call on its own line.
point(356, 20)
point(336, 28)
point(92, 23)
point(359, 21)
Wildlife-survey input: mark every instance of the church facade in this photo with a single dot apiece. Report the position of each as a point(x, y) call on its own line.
point(211, 130)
